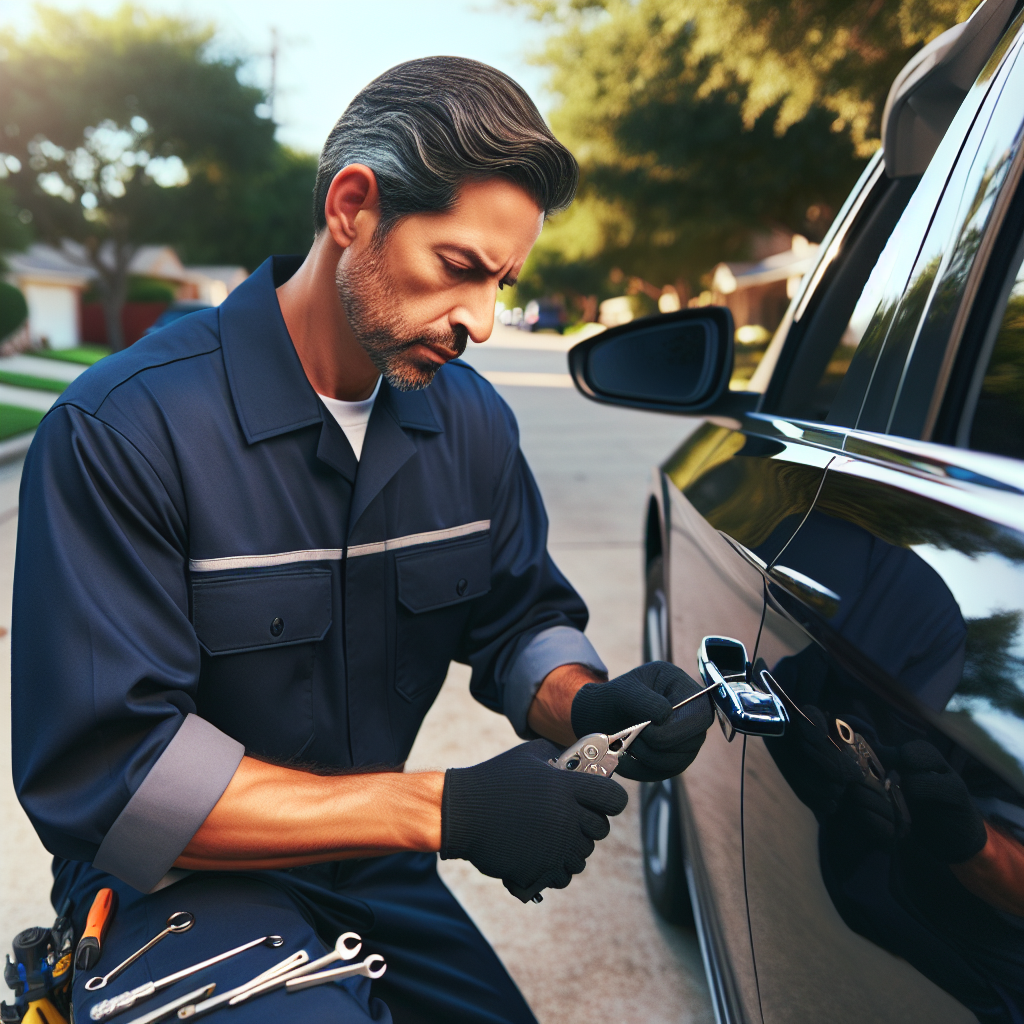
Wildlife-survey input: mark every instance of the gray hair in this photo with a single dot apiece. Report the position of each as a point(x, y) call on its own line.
point(427, 126)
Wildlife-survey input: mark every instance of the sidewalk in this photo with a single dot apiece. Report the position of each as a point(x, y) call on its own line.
point(30, 383)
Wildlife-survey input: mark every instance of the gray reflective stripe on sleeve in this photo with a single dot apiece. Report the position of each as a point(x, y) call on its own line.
point(174, 799)
point(334, 554)
point(559, 645)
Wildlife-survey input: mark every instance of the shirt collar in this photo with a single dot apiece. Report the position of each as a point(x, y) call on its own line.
point(268, 385)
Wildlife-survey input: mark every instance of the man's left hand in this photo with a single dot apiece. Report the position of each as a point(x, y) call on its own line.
point(670, 743)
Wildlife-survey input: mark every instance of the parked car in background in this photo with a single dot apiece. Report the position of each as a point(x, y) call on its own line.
point(544, 315)
point(840, 550)
point(175, 311)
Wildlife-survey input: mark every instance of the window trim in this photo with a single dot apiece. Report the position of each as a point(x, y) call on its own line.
point(996, 311)
point(976, 275)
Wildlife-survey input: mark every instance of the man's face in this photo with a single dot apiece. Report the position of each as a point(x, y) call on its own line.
point(414, 301)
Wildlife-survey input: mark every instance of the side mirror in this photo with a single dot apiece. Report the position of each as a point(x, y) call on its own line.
point(678, 362)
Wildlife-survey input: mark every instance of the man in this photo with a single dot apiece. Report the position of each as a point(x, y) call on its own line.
point(249, 548)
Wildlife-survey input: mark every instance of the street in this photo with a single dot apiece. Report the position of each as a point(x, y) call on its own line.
point(594, 950)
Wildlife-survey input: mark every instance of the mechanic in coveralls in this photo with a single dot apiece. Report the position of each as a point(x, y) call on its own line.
point(249, 548)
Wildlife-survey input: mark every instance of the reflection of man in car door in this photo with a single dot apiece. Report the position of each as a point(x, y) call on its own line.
point(251, 545)
point(906, 852)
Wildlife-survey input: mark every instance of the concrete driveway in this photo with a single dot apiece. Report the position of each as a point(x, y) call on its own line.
point(593, 951)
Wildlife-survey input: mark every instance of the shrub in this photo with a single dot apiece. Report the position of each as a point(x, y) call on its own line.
point(13, 309)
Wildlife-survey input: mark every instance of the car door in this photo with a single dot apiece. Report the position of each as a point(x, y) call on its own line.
point(895, 614)
point(723, 505)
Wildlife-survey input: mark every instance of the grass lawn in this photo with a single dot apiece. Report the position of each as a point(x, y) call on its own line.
point(27, 380)
point(85, 355)
point(15, 420)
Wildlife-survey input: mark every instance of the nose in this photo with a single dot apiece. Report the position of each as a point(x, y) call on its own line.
point(475, 313)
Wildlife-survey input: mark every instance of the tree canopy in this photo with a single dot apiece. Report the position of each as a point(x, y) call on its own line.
point(128, 129)
point(701, 126)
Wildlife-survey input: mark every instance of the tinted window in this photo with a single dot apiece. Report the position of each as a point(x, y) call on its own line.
point(839, 356)
point(821, 340)
point(998, 424)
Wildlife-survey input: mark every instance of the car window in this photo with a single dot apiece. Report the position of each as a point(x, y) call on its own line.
point(997, 424)
point(951, 269)
point(823, 338)
point(890, 307)
point(834, 357)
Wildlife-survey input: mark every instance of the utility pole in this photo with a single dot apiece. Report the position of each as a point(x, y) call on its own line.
point(274, 51)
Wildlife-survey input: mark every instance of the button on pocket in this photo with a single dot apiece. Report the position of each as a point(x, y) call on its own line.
point(442, 574)
point(246, 611)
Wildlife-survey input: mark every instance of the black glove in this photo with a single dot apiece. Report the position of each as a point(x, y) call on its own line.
point(518, 819)
point(670, 743)
point(817, 771)
point(944, 819)
point(868, 809)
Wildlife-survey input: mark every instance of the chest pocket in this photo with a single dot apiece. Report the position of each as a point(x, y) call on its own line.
point(246, 612)
point(436, 586)
point(258, 632)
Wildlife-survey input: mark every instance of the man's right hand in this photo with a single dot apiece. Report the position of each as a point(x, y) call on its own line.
point(518, 819)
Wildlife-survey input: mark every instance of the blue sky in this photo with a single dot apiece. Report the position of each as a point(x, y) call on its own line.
point(329, 50)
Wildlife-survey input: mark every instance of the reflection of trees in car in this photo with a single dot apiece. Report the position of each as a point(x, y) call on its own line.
point(999, 418)
point(903, 519)
point(896, 877)
point(890, 885)
point(992, 670)
point(992, 682)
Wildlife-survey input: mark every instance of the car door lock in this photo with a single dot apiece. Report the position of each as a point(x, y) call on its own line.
point(740, 706)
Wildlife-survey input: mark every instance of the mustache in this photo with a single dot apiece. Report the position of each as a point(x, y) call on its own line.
point(454, 341)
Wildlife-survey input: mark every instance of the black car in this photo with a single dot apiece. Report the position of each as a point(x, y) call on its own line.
point(839, 552)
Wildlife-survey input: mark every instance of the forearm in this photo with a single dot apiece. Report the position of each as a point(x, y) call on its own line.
point(996, 873)
point(275, 817)
point(550, 714)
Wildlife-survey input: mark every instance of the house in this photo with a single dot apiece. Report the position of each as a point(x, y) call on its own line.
point(53, 280)
point(52, 284)
point(758, 293)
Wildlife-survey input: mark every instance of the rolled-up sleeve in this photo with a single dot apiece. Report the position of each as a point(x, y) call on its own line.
point(110, 761)
point(531, 621)
point(550, 648)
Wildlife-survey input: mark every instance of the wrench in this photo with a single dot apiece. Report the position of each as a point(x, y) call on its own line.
point(168, 1009)
point(196, 1009)
point(342, 951)
point(367, 968)
point(126, 1000)
point(176, 923)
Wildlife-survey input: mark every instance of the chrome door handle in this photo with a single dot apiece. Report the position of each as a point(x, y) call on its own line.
point(811, 592)
point(741, 708)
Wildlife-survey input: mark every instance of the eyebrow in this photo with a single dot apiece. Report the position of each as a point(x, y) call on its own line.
point(478, 260)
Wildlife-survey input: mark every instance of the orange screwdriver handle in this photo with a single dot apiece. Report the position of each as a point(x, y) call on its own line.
point(90, 945)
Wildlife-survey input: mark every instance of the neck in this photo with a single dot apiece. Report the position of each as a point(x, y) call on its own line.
point(335, 363)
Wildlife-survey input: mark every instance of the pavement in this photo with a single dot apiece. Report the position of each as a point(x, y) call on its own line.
point(593, 951)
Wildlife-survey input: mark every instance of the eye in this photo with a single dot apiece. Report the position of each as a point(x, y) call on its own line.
point(454, 268)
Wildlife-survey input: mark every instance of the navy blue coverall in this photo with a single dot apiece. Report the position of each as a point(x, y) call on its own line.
point(205, 570)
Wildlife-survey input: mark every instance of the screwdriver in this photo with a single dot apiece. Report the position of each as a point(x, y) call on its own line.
point(90, 945)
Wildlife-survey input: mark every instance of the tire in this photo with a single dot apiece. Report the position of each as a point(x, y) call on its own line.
point(661, 842)
point(661, 833)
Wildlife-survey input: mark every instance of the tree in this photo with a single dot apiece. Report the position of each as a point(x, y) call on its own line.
point(14, 222)
point(248, 217)
point(116, 131)
point(700, 126)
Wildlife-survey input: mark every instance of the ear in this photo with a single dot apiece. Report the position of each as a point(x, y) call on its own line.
point(352, 206)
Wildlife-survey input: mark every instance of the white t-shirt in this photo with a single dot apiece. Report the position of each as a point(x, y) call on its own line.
point(352, 417)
